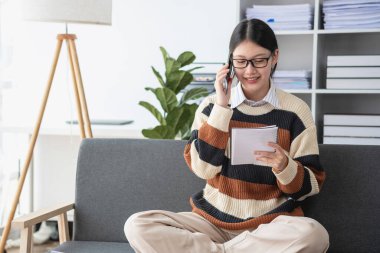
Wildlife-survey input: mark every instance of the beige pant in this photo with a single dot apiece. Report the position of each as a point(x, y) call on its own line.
point(187, 232)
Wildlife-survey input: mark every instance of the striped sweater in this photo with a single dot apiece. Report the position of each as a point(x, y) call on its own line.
point(238, 197)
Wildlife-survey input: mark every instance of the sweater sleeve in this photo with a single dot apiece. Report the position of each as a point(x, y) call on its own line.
point(205, 151)
point(303, 176)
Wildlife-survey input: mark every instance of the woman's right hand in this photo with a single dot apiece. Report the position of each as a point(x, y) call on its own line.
point(222, 98)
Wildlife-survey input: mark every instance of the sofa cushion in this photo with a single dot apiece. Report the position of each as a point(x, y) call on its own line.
point(93, 247)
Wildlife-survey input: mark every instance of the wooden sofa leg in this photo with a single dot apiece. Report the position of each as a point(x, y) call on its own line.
point(63, 228)
point(26, 242)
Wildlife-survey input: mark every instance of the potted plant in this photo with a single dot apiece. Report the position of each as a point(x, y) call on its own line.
point(177, 103)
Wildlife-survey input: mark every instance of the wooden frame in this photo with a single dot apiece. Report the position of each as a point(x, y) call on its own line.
point(26, 223)
point(84, 126)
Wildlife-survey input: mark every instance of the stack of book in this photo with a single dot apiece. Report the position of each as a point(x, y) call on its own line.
point(351, 14)
point(292, 79)
point(357, 129)
point(353, 72)
point(283, 17)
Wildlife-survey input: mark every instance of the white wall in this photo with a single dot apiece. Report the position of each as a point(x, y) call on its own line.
point(115, 60)
point(115, 63)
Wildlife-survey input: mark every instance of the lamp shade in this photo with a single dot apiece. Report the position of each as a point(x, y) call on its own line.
point(69, 11)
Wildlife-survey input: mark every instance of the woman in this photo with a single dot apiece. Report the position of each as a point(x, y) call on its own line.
point(251, 207)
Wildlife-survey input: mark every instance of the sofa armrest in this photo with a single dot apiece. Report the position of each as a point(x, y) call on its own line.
point(26, 223)
point(41, 215)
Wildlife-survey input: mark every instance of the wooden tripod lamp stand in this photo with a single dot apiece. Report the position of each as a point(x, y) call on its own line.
point(67, 11)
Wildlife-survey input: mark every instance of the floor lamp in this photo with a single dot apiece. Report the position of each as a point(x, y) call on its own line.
point(66, 11)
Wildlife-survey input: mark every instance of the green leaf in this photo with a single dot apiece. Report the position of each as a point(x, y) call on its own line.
point(164, 53)
point(184, 121)
point(153, 90)
point(191, 109)
point(159, 132)
point(186, 58)
point(170, 63)
point(185, 80)
point(192, 69)
point(193, 94)
point(174, 79)
point(167, 98)
point(187, 118)
point(171, 66)
point(150, 89)
point(179, 80)
point(185, 133)
point(159, 77)
point(156, 113)
point(174, 119)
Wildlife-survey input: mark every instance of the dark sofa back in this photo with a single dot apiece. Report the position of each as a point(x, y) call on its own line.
point(118, 177)
point(349, 205)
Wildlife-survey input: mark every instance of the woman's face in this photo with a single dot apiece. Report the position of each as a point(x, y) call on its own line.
point(254, 80)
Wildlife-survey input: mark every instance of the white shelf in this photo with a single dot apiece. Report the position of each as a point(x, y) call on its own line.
point(334, 31)
point(322, 31)
point(334, 91)
point(295, 91)
point(295, 32)
point(308, 49)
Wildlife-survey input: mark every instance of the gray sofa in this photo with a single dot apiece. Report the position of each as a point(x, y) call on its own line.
point(118, 177)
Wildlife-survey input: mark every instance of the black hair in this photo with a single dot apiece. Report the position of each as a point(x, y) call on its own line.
point(256, 31)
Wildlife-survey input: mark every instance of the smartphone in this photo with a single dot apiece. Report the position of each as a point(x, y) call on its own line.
point(229, 76)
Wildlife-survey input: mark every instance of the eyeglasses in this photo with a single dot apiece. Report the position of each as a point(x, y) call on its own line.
point(256, 62)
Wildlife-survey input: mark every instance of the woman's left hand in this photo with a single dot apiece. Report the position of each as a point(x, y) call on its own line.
point(278, 160)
